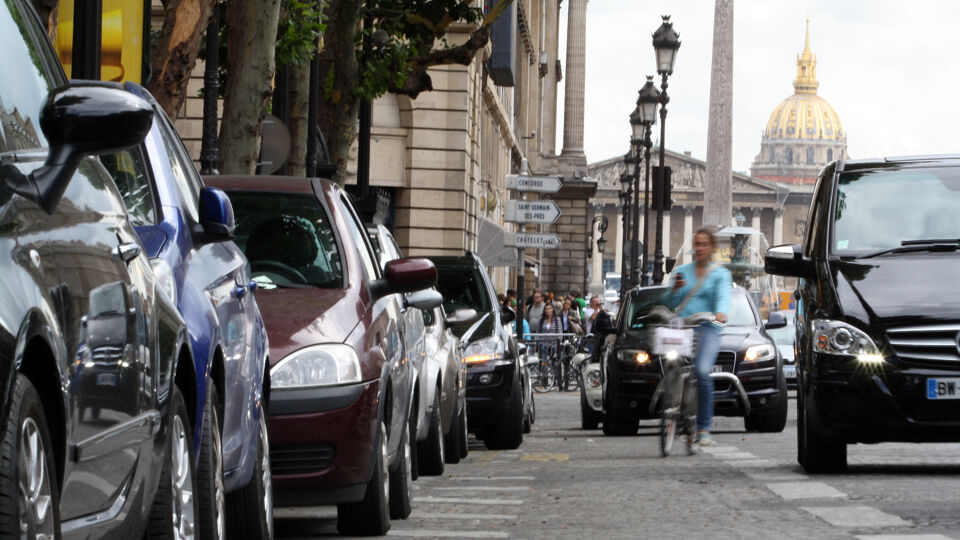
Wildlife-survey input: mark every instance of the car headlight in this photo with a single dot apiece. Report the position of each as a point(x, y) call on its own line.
point(488, 350)
point(840, 338)
point(593, 378)
point(639, 357)
point(317, 365)
point(764, 351)
point(165, 281)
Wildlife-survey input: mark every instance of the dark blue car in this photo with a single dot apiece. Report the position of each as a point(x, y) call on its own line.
point(187, 229)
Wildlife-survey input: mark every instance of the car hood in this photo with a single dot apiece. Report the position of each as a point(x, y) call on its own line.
point(733, 338)
point(900, 286)
point(297, 318)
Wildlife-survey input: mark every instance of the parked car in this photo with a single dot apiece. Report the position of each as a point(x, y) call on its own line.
point(95, 423)
point(785, 338)
point(341, 381)
point(441, 380)
point(877, 312)
point(630, 374)
point(499, 396)
point(186, 229)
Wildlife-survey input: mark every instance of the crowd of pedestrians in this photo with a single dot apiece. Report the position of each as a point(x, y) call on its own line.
point(549, 313)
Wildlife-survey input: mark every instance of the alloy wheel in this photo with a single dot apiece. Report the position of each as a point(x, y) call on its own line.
point(266, 475)
point(181, 477)
point(384, 464)
point(36, 500)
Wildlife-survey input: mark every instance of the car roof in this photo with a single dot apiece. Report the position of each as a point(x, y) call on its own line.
point(285, 184)
point(899, 161)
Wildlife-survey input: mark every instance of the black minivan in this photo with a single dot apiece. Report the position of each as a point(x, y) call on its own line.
point(878, 310)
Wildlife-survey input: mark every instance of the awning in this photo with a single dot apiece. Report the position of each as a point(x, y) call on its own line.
point(490, 246)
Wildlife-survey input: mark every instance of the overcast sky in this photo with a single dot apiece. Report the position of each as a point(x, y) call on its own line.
point(890, 68)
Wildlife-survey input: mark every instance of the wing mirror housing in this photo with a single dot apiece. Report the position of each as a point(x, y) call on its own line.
point(787, 260)
point(775, 320)
point(216, 214)
point(405, 275)
point(461, 317)
point(507, 315)
point(80, 120)
point(425, 299)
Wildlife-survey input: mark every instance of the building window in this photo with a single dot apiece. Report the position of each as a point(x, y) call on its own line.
point(609, 265)
point(830, 155)
point(788, 155)
point(809, 155)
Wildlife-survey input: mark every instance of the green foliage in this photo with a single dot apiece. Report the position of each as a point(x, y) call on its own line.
point(301, 24)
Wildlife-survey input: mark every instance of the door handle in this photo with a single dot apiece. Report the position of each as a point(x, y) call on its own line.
point(128, 251)
point(240, 292)
point(252, 286)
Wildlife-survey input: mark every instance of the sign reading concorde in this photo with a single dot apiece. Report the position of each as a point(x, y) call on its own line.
point(539, 184)
point(544, 212)
point(532, 240)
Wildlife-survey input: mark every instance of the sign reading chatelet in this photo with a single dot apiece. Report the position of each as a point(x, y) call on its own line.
point(543, 212)
point(539, 184)
point(532, 240)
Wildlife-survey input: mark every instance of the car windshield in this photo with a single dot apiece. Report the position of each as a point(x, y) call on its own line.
point(785, 335)
point(462, 288)
point(741, 312)
point(878, 210)
point(641, 302)
point(288, 240)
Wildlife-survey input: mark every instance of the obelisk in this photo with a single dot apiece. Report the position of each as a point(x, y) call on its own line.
point(718, 186)
point(573, 106)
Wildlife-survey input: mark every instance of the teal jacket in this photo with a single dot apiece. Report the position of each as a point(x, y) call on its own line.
point(713, 296)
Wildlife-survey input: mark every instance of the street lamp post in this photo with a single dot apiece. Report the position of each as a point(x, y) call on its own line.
point(666, 42)
point(643, 117)
point(601, 242)
point(626, 181)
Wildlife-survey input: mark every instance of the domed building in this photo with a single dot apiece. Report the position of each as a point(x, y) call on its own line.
point(803, 132)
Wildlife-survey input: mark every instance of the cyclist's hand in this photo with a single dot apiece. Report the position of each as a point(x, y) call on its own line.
point(722, 318)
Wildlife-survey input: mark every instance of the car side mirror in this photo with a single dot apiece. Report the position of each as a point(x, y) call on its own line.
point(460, 317)
point(775, 320)
point(405, 276)
point(216, 214)
point(425, 299)
point(80, 120)
point(507, 315)
point(787, 260)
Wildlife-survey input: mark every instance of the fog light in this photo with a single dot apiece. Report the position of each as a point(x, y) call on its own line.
point(486, 378)
point(870, 358)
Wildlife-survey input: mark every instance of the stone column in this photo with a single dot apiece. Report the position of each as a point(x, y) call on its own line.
point(778, 226)
point(576, 81)
point(718, 195)
point(687, 233)
point(666, 234)
point(549, 108)
point(755, 254)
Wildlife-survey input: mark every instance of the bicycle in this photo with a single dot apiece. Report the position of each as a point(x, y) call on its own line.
point(548, 358)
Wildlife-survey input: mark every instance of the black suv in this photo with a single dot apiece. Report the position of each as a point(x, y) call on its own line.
point(629, 374)
point(499, 398)
point(878, 310)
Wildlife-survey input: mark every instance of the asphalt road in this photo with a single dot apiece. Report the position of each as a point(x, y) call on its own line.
point(564, 482)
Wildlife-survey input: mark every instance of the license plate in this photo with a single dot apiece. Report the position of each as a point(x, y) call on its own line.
point(790, 372)
point(943, 388)
point(718, 369)
point(107, 379)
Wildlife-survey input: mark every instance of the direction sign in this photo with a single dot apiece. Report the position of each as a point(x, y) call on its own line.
point(545, 212)
point(532, 240)
point(540, 184)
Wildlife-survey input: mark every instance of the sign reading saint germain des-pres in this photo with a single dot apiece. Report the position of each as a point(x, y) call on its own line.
point(544, 212)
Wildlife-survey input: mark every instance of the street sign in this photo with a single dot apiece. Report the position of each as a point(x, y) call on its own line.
point(540, 184)
point(544, 212)
point(532, 240)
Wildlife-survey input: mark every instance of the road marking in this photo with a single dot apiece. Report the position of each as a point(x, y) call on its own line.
point(462, 516)
point(486, 457)
point(453, 500)
point(903, 537)
point(756, 463)
point(545, 457)
point(483, 488)
point(735, 455)
point(713, 450)
point(805, 490)
point(420, 533)
point(777, 476)
point(855, 516)
point(489, 478)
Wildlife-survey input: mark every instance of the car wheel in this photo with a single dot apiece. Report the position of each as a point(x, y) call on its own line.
point(250, 509)
point(27, 473)
point(175, 507)
point(772, 421)
point(530, 416)
point(401, 480)
point(451, 441)
point(507, 432)
point(371, 516)
point(815, 453)
point(589, 419)
point(615, 425)
point(211, 495)
point(464, 431)
point(431, 452)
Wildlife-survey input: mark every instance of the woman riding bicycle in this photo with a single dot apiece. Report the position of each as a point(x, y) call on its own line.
point(708, 287)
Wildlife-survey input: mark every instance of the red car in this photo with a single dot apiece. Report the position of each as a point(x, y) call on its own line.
point(341, 382)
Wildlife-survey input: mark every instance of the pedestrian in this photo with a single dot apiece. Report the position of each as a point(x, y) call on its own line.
point(598, 320)
point(535, 311)
point(550, 321)
point(557, 305)
point(702, 286)
point(581, 304)
point(570, 318)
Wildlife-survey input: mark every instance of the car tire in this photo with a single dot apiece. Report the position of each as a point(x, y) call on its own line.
point(464, 431)
point(250, 509)
point(431, 453)
point(589, 418)
point(26, 446)
point(772, 421)
point(452, 440)
point(531, 415)
point(175, 509)
point(816, 454)
point(371, 516)
point(401, 478)
point(507, 432)
point(211, 495)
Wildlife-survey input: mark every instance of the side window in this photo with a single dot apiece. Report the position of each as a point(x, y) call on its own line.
point(360, 239)
point(183, 172)
point(814, 219)
point(129, 171)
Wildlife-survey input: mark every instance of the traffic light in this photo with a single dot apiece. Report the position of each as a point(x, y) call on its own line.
point(661, 189)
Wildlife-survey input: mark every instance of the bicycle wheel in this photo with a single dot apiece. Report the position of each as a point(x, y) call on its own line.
point(668, 432)
point(573, 379)
point(543, 379)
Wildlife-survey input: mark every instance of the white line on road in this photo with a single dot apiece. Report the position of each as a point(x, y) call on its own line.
point(855, 516)
point(489, 478)
point(466, 501)
point(719, 449)
point(756, 463)
point(777, 476)
point(903, 537)
point(805, 490)
point(419, 533)
point(461, 516)
point(735, 455)
point(483, 488)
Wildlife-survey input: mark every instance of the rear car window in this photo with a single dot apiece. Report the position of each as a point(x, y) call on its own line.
point(288, 239)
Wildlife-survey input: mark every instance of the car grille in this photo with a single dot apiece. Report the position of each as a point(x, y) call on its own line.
point(300, 459)
point(727, 362)
point(107, 353)
point(933, 345)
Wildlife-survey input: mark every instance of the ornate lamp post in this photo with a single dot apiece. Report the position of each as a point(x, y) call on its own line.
point(626, 183)
point(601, 242)
point(643, 117)
point(666, 42)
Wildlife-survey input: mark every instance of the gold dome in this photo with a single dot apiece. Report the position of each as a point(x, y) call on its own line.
point(805, 115)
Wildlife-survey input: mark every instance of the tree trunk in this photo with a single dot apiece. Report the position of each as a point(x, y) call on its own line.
point(251, 42)
point(339, 78)
point(299, 101)
point(184, 23)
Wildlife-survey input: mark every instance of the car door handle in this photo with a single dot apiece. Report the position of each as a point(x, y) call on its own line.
point(252, 286)
point(240, 292)
point(128, 251)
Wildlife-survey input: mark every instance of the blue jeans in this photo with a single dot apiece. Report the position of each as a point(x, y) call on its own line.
point(709, 345)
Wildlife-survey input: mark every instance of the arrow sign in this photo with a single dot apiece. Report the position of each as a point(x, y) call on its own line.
point(532, 240)
point(544, 212)
point(540, 184)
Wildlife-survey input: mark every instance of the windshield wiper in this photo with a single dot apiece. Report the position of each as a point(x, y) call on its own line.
point(908, 246)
